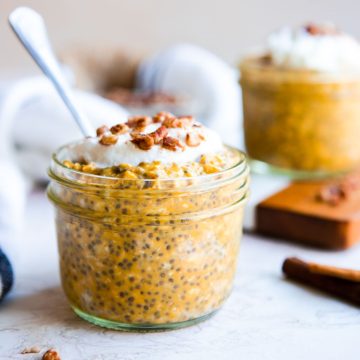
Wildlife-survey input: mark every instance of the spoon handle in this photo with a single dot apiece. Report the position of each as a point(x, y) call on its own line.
point(30, 29)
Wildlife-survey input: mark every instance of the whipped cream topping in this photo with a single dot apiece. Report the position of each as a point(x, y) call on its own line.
point(323, 51)
point(124, 150)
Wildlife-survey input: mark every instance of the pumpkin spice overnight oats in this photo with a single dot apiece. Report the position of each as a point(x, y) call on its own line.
point(149, 217)
point(302, 102)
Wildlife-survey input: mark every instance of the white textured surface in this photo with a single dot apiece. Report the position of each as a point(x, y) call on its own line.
point(265, 317)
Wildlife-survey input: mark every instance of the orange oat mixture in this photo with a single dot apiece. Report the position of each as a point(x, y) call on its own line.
point(155, 170)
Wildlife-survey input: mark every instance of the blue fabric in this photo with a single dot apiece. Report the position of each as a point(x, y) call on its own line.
point(6, 275)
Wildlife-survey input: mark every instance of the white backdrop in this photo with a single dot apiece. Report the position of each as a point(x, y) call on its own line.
point(226, 27)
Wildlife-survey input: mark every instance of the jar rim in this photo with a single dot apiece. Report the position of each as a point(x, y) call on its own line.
point(254, 62)
point(59, 172)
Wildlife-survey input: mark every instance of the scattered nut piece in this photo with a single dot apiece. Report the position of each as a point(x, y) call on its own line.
point(171, 123)
point(143, 123)
point(119, 129)
point(187, 120)
point(31, 350)
point(193, 139)
point(101, 130)
point(335, 193)
point(162, 116)
point(159, 134)
point(138, 121)
point(143, 142)
point(51, 354)
point(314, 29)
point(108, 140)
point(171, 143)
point(180, 122)
point(332, 195)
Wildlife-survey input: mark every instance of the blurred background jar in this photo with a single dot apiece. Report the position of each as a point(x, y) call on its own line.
point(301, 102)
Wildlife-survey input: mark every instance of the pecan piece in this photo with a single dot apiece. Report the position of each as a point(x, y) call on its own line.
point(180, 122)
point(187, 120)
point(193, 139)
point(162, 116)
point(51, 354)
point(335, 193)
point(314, 29)
point(138, 121)
point(108, 140)
point(101, 130)
point(171, 143)
point(171, 122)
point(143, 141)
point(159, 134)
point(332, 194)
point(119, 129)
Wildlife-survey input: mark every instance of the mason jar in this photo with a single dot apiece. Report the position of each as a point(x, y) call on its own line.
point(304, 123)
point(147, 254)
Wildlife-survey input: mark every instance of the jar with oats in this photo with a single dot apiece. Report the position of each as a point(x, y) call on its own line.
point(302, 103)
point(148, 244)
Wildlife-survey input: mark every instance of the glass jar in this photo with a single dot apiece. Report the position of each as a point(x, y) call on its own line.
point(147, 254)
point(302, 123)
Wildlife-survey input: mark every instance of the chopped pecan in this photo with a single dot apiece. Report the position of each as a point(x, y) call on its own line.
point(51, 354)
point(171, 123)
point(142, 123)
point(143, 141)
point(171, 143)
point(314, 29)
point(119, 129)
point(159, 134)
point(108, 140)
point(332, 194)
point(138, 121)
point(162, 116)
point(179, 122)
point(101, 130)
point(187, 120)
point(335, 193)
point(193, 139)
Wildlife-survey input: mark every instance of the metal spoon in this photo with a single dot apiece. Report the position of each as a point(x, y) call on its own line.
point(30, 29)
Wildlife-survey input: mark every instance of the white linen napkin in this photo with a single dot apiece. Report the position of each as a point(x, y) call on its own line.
point(33, 123)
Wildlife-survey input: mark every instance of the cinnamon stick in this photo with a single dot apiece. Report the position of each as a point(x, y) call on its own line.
point(342, 283)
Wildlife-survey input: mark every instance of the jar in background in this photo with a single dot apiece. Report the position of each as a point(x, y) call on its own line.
point(300, 122)
point(148, 254)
